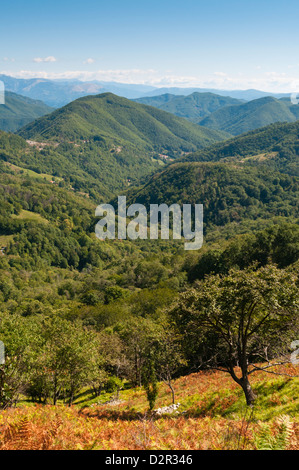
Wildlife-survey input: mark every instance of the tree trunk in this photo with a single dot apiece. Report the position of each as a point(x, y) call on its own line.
point(136, 368)
point(54, 389)
point(249, 393)
point(71, 398)
point(2, 380)
point(172, 391)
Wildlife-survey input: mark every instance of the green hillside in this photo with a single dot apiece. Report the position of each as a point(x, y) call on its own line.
point(193, 107)
point(275, 146)
point(101, 144)
point(92, 174)
point(112, 119)
point(229, 193)
point(19, 110)
point(252, 115)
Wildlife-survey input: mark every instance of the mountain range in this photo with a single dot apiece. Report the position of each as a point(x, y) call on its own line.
point(107, 117)
point(224, 113)
point(101, 144)
point(193, 107)
point(230, 192)
point(252, 115)
point(57, 93)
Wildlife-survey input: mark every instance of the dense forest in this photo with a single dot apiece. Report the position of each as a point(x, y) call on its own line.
point(225, 113)
point(274, 146)
point(237, 120)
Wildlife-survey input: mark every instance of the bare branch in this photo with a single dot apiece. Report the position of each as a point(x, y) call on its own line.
point(265, 369)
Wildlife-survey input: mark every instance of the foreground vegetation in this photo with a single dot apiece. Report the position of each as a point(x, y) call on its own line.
point(212, 416)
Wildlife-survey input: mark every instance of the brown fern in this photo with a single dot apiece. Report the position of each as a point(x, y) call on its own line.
point(17, 435)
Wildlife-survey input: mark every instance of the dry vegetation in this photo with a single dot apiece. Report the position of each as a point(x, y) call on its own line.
point(213, 416)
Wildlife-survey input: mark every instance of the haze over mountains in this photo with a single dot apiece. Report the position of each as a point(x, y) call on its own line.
point(57, 93)
point(62, 165)
point(232, 112)
point(102, 143)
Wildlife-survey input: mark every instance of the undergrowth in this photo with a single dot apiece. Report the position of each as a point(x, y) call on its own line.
point(212, 416)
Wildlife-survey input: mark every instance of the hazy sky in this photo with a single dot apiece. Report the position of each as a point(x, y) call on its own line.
point(213, 43)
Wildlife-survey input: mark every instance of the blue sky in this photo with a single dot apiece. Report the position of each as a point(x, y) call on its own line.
point(224, 44)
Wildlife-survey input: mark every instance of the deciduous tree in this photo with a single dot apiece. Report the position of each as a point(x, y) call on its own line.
point(236, 322)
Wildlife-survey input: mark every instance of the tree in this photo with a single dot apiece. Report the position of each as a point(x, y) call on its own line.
point(149, 378)
point(234, 323)
point(138, 335)
point(17, 335)
point(116, 366)
point(168, 357)
point(68, 358)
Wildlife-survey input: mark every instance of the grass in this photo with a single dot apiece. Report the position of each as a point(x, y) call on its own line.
point(28, 215)
point(261, 157)
point(33, 174)
point(213, 415)
point(5, 240)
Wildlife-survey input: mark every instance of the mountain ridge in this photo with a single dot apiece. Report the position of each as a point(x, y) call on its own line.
point(108, 116)
point(247, 95)
point(252, 115)
point(19, 110)
point(58, 92)
point(99, 145)
point(280, 140)
point(193, 107)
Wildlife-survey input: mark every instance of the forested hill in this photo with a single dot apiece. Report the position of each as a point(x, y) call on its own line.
point(19, 110)
point(275, 146)
point(101, 144)
point(193, 107)
point(87, 168)
point(252, 115)
point(229, 193)
point(114, 120)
